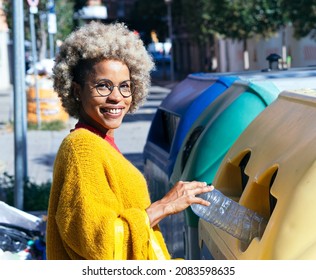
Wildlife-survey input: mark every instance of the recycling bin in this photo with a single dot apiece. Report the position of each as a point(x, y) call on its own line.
point(271, 169)
point(210, 138)
point(172, 121)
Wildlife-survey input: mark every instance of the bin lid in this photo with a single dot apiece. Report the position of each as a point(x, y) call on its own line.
point(197, 107)
point(189, 90)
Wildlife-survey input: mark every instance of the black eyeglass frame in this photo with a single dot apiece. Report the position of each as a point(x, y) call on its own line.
point(112, 86)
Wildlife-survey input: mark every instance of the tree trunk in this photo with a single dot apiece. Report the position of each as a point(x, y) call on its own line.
point(246, 54)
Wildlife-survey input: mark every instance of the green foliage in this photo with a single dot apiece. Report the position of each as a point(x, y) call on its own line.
point(190, 16)
point(65, 23)
point(241, 19)
point(64, 13)
point(36, 196)
point(53, 125)
point(235, 19)
point(302, 15)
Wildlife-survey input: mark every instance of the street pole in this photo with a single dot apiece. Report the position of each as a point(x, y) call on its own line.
point(20, 124)
point(51, 45)
point(52, 26)
point(34, 10)
point(168, 2)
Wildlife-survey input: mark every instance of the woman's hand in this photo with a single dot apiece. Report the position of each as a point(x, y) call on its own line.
point(181, 196)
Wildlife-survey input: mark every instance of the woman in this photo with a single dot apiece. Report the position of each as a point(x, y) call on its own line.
point(102, 73)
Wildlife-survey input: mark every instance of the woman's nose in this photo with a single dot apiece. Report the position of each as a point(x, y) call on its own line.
point(115, 94)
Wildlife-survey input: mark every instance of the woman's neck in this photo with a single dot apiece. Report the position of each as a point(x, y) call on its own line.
point(99, 128)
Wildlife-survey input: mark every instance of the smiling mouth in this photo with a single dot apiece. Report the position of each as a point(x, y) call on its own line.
point(113, 111)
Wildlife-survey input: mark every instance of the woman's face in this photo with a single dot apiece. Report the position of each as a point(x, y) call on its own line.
point(105, 113)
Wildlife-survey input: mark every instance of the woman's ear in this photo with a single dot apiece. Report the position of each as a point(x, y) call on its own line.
point(76, 91)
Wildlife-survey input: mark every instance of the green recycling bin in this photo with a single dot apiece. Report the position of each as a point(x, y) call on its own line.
point(212, 135)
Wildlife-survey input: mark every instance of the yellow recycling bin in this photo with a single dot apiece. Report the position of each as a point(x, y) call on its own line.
point(271, 169)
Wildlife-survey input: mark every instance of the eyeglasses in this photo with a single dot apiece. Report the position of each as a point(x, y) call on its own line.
point(105, 87)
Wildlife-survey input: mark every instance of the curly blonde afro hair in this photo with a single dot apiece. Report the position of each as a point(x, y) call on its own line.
point(92, 43)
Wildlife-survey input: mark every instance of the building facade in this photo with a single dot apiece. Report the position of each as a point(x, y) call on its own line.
point(4, 56)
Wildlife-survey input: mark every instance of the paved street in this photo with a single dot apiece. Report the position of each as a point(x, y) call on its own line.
point(43, 145)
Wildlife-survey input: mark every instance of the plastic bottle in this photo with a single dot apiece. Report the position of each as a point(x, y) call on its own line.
point(230, 216)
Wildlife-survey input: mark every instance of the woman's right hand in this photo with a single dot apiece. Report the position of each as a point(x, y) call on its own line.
point(182, 195)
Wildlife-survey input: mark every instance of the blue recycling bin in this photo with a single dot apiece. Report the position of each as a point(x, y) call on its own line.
point(173, 119)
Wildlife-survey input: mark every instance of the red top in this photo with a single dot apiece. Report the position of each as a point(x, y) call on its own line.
point(104, 136)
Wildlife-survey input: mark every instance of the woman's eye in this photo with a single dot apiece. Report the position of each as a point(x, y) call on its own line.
point(124, 86)
point(104, 86)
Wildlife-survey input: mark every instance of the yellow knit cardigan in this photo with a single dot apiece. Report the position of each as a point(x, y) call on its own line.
point(93, 184)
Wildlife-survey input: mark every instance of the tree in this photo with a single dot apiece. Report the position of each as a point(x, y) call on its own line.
point(65, 23)
point(302, 15)
point(234, 19)
point(64, 11)
point(190, 17)
point(190, 22)
point(242, 19)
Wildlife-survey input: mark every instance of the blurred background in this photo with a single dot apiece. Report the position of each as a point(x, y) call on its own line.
point(184, 36)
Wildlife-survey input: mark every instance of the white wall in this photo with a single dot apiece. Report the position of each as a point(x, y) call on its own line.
point(4, 61)
point(302, 52)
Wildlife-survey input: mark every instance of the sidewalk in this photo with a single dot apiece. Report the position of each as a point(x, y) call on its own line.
point(42, 146)
point(6, 106)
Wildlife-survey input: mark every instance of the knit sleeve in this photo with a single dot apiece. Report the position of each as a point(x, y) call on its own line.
point(136, 218)
point(87, 207)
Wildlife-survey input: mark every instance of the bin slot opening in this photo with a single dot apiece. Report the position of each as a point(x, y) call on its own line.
point(242, 165)
point(163, 128)
point(189, 145)
point(272, 199)
point(170, 124)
